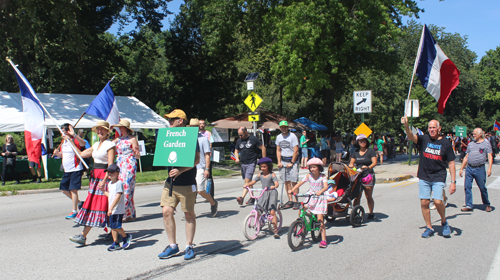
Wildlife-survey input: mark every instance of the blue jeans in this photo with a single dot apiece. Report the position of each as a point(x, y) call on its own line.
point(479, 174)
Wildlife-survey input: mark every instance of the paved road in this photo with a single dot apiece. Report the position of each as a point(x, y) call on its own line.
point(34, 241)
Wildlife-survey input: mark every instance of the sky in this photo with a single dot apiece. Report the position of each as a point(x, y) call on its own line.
point(476, 19)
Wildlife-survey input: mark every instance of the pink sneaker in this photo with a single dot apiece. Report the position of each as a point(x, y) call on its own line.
point(323, 244)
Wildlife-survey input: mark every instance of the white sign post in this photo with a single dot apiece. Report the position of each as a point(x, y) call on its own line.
point(362, 101)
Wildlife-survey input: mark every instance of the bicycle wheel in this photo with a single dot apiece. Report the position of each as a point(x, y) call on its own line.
point(316, 232)
point(279, 222)
point(296, 235)
point(251, 226)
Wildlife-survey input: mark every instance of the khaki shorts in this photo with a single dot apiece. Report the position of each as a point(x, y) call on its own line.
point(186, 195)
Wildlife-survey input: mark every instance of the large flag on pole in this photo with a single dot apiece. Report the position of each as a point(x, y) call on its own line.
point(104, 106)
point(437, 73)
point(496, 125)
point(34, 118)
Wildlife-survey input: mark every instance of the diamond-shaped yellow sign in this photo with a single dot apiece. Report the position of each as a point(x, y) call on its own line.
point(363, 129)
point(253, 101)
point(253, 118)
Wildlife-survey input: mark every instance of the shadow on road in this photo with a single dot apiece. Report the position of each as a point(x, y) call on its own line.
point(220, 214)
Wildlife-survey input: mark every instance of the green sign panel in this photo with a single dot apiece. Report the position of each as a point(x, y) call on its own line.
point(498, 132)
point(176, 146)
point(460, 131)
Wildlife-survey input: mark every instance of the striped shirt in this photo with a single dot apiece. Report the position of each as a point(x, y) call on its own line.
point(478, 152)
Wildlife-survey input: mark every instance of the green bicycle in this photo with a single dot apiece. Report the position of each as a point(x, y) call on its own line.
point(307, 222)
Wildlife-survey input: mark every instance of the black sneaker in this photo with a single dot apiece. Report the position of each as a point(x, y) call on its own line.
point(39, 181)
point(371, 216)
point(213, 208)
point(296, 205)
point(250, 201)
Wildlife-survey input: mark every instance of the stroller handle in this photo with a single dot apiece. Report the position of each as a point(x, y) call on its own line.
point(256, 197)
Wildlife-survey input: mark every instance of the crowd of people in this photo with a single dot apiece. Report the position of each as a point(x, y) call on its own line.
point(110, 199)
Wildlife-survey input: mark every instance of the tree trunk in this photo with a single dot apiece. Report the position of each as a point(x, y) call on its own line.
point(328, 103)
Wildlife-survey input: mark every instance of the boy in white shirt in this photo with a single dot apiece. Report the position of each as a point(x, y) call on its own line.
point(116, 202)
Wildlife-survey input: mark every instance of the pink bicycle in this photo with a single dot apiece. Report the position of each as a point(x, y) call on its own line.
point(259, 217)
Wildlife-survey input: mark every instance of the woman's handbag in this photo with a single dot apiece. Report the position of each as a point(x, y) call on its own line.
point(9, 161)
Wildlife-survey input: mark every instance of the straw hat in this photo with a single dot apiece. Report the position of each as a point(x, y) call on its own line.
point(123, 122)
point(103, 124)
point(194, 122)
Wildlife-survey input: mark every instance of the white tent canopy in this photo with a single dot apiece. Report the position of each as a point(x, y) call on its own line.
point(67, 108)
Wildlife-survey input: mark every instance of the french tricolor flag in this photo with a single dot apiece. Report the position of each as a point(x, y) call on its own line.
point(34, 118)
point(104, 106)
point(437, 73)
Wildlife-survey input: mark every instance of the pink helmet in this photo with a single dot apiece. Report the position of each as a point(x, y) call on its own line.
point(315, 161)
point(367, 180)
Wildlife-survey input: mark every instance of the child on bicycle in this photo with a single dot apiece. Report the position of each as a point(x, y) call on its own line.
point(319, 184)
point(269, 200)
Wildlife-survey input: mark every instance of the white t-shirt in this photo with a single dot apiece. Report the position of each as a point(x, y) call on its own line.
point(114, 189)
point(101, 155)
point(287, 143)
point(71, 162)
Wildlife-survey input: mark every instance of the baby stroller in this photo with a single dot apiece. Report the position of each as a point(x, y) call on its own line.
point(346, 181)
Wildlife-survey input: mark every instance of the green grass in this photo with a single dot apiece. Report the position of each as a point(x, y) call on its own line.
point(415, 162)
point(144, 177)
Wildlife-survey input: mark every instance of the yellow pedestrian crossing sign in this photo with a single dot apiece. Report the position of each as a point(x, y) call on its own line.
point(253, 118)
point(363, 129)
point(253, 101)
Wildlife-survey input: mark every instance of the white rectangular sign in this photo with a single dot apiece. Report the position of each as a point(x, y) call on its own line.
point(362, 101)
point(415, 106)
point(142, 147)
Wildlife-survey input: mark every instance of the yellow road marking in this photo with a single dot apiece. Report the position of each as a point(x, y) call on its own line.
point(404, 184)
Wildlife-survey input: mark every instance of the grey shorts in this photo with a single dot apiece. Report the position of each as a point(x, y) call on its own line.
point(247, 170)
point(292, 174)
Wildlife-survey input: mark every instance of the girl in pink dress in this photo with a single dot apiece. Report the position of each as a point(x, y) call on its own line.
point(127, 149)
point(317, 203)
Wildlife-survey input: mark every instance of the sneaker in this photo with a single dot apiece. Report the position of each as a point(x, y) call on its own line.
point(3, 183)
point(213, 208)
point(39, 181)
point(250, 201)
point(446, 229)
point(80, 205)
point(288, 205)
point(433, 207)
point(296, 205)
point(466, 209)
point(168, 252)
point(323, 244)
point(71, 215)
point(428, 233)
point(114, 247)
point(127, 241)
point(189, 253)
point(371, 216)
point(80, 239)
point(240, 200)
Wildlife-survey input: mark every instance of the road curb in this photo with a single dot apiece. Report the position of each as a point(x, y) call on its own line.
point(394, 179)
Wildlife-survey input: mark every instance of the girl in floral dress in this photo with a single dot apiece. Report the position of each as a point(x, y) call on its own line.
point(95, 208)
point(127, 149)
point(319, 184)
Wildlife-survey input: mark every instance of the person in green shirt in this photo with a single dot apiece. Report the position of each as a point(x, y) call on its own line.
point(303, 147)
point(380, 147)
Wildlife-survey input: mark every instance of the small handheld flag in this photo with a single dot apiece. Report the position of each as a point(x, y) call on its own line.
point(496, 126)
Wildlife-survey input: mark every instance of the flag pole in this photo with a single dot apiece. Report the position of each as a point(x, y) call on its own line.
point(54, 121)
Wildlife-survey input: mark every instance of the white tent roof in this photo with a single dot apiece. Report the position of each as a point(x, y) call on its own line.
point(67, 108)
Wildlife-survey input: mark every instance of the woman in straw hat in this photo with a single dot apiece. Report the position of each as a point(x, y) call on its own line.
point(127, 149)
point(95, 208)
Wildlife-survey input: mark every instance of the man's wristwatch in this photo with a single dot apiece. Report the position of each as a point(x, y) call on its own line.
point(454, 182)
point(207, 169)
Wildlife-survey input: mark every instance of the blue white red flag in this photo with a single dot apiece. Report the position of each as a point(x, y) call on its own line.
point(419, 131)
point(34, 118)
point(233, 157)
point(104, 106)
point(496, 126)
point(436, 72)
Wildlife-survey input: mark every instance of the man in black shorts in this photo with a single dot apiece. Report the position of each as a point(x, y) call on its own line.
point(250, 148)
point(71, 181)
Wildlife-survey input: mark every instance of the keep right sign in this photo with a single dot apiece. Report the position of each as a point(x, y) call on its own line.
point(362, 101)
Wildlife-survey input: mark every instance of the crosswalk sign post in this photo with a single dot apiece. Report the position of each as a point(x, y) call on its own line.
point(253, 101)
point(253, 116)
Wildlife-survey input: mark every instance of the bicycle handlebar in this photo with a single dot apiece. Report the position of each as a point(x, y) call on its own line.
point(256, 197)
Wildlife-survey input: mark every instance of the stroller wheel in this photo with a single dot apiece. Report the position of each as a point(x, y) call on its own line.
point(357, 216)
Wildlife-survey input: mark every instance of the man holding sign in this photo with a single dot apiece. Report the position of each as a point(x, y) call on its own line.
point(184, 191)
